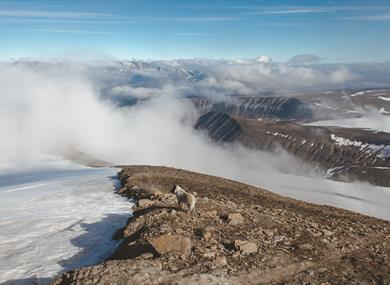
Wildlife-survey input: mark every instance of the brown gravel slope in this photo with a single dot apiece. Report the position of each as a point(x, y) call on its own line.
point(238, 234)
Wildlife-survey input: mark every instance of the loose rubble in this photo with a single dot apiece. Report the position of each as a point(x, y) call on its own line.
point(236, 234)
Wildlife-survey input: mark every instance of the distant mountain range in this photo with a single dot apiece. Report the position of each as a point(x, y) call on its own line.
point(216, 79)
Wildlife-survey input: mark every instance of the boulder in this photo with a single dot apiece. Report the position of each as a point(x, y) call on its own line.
point(207, 232)
point(145, 203)
point(206, 235)
point(209, 255)
point(134, 224)
point(166, 200)
point(210, 214)
point(306, 246)
point(220, 261)
point(234, 219)
point(245, 247)
point(171, 243)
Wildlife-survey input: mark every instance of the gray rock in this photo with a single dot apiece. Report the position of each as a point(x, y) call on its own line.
point(145, 203)
point(245, 247)
point(235, 219)
point(220, 261)
point(171, 243)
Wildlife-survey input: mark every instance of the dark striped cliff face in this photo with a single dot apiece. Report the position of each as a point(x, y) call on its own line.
point(221, 126)
point(342, 152)
point(279, 108)
point(303, 107)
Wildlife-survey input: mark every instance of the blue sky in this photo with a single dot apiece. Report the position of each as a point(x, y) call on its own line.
point(337, 31)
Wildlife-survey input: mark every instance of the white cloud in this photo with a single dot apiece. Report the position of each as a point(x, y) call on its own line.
point(62, 21)
point(298, 11)
point(190, 34)
point(188, 18)
point(45, 115)
point(70, 31)
point(343, 74)
point(219, 79)
point(141, 92)
point(384, 17)
point(264, 59)
point(51, 14)
point(47, 111)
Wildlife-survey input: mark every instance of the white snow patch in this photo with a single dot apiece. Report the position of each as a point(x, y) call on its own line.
point(383, 98)
point(276, 134)
point(333, 170)
point(359, 197)
point(57, 220)
point(324, 106)
point(357, 94)
point(379, 122)
point(379, 150)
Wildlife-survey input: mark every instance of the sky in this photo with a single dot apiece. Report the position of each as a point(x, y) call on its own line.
point(336, 31)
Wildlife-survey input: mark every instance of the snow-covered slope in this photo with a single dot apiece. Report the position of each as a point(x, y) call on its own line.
point(57, 220)
point(357, 197)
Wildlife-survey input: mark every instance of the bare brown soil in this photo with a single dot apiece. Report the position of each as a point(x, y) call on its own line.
point(238, 234)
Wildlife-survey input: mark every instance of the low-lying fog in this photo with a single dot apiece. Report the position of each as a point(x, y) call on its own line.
point(369, 120)
point(46, 118)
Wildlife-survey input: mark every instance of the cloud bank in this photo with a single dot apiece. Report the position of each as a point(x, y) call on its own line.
point(59, 107)
point(47, 113)
point(218, 79)
point(43, 117)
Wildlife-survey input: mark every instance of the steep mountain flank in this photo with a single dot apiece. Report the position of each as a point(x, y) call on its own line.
point(349, 153)
point(222, 126)
point(237, 234)
point(279, 108)
point(301, 107)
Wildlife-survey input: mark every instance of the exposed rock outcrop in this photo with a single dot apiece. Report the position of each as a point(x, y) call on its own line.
point(222, 127)
point(265, 107)
point(277, 241)
point(348, 153)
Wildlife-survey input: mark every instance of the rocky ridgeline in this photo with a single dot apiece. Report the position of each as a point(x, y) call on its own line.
point(255, 107)
point(345, 154)
point(236, 234)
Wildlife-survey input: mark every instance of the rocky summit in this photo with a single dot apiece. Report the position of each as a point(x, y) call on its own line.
point(237, 234)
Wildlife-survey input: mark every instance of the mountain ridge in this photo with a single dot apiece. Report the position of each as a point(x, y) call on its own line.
point(237, 234)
